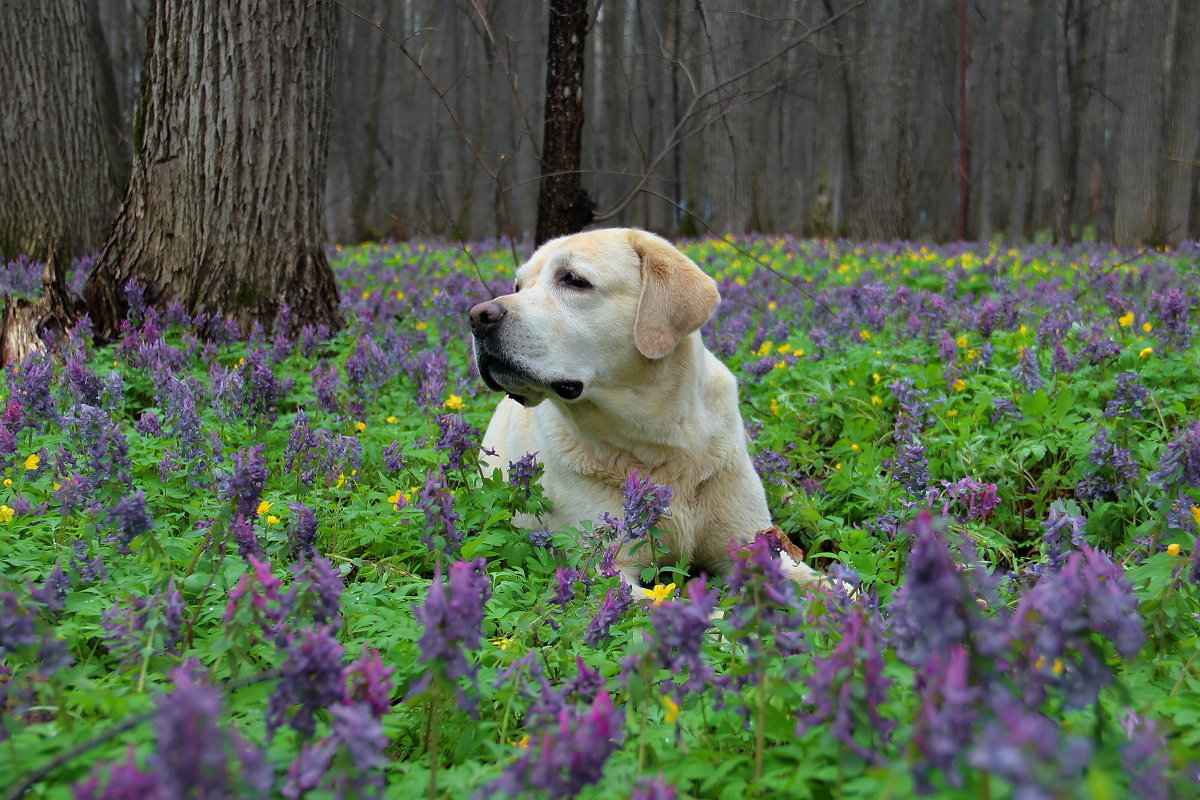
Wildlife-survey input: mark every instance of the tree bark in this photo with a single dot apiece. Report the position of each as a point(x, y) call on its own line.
point(1182, 126)
point(563, 206)
point(224, 205)
point(1139, 146)
point(55, 188)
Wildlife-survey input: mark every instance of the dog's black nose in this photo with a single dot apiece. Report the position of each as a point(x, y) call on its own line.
point(486, 316)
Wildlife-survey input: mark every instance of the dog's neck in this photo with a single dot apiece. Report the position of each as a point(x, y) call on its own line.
point(615, 425)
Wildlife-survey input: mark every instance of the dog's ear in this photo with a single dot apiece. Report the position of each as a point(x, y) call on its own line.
point(677, 298)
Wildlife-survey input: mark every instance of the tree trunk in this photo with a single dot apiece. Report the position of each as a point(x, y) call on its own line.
point(1139, 147)
point(54, 176)
point(223, 210)
point(563, 206)
point(1182, 125)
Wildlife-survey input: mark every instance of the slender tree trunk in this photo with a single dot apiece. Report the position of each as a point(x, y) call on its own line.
point(563, 206)
point(55, 187)
point(223, 209)
point(964, 138)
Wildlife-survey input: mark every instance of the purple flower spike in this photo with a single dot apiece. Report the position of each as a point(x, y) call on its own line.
point(370, 682)
point(312, 678)
point(245, 485)
point(453, 619)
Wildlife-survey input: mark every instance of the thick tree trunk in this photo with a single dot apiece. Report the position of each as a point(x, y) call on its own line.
point(563, 206)
point(1140, 141)
point(1182, 125)
point(24, 321)
point(54, 175)
point(223, 211)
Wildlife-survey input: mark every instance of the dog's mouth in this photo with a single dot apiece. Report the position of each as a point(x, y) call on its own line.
point(502, 375)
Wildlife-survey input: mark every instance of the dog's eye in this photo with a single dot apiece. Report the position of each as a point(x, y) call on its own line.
point(573, 281)
point(516, 288)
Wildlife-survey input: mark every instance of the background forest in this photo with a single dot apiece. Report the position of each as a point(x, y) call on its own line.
point(814, 117)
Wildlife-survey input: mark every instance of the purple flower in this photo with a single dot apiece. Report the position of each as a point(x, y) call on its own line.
point(190, 757)
point(245, 485)
point(260, 389)
point(524, 472)
point(564, 592)
point(457, 439)
point(431, 368)
point(370, 682)
point(126, 781)
point(646, 503)
point(53, 592)
point(1025, 748)
point(453, 619)
point(312, 678)
point(131, 519)
point(325, 589)
point(1027, 370)
point(931, 611)
point(567, 755)
point(1180, 465)
point(1061, 362)
point(302, 532)
point(849, 680)
point(541, 538)
point(946, 714)
point(149, 424)
point(327, 387)
point(616, 602)
point(89, 571)
point(1145, 758)
point(438, 504)
point(1057, 523)
point(32, 387)
point(910, 467)
point(679, 632)
point(653, 789)
point(1113, 469)
point(241, 530)
point(393, 457)
point(1062, 612)
point(977, 499)
point(1130, 399)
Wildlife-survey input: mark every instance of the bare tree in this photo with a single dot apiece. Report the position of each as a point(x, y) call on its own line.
point(563, 206)
point(223, 210)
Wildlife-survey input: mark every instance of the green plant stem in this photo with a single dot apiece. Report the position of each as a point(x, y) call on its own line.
point(431, 735)
point(760, 735)
point(1187, 667)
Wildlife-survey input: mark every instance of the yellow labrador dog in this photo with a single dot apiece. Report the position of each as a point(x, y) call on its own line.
point(598, 349)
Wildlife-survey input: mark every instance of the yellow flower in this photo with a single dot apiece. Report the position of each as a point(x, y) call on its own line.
point(422, 325)
point(864, 334)
point(672, 709)
point(799, 352)
point(837, 466)
point(876, 400)
point(391, 420)
point(241, 362)
point(454, 402)
point(1146, 351)
point(959, 385)
point(503, 642)
point(272, 519)
point(8, 481)
point(876, 376)
point(6, 514)
point(524, 743)
point(764, 348)
point(784, 348)
point(774, 407)
point(780, 365)
point(57, 486)
point(854, 447)
point(1173, 549)
point(366, 295)
point(361, 426)
point(341, 481)
point(1147, 327)
point(771, 306)
point(962, 341)
point(33, 461)
point(952, 412)
point(1196, 516)
point(659, 592)
point(1024, 329)
point(263, 507)
point(850, 382)
point(397, 500)
point(1126, 320)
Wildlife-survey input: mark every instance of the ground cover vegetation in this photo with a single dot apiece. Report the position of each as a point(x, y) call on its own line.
point(271, 566)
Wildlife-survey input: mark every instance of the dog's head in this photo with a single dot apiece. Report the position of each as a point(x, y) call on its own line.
point(589, 310)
